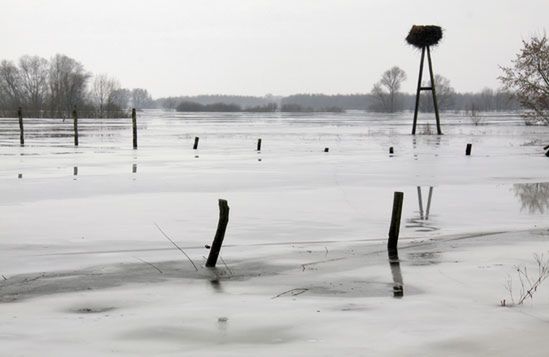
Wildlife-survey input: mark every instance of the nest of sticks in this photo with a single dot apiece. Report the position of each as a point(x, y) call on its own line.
point(423, 36)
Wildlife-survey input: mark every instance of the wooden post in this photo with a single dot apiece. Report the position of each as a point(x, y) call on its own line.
point(395, 220)
point(259, 144)
point(195, 146)
point(21, 131)
point(326, 149)
point(418, 92)
point(468, 149)
point(134, 126)
point(75, 171)
point(433, 91)
point(219, 234)
point(75, 119)
point(391, 150)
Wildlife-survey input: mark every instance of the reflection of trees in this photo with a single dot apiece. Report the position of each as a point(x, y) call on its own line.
point(533, 196)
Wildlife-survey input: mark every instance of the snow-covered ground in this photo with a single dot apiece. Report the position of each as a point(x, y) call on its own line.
point(84, 270)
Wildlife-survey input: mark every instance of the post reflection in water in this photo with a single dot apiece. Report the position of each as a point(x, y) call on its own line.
point(421, 223)
point(533, 197)
point(398, 283)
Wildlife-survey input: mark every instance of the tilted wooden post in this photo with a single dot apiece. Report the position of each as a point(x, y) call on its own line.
point(21, 131)
point(395, 220)
point(259, 144)
point(219, 234)
point(195, 146)
point(75, 119)
point(134, 127)
point(468, 149)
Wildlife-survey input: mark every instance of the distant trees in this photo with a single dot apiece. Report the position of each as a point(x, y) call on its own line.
point(67, 85)
point(387, 90)
point(188, 106)
point(33, 72)
point(445, 95)
point(54, 87)
point(141, 98)
point(102, 91)
point(528, 78)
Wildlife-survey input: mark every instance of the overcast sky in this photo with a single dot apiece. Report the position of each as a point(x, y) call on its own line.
point(254, 47)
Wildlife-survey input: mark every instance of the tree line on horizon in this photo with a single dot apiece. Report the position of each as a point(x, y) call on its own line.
point(449, 100)
point(55, 87)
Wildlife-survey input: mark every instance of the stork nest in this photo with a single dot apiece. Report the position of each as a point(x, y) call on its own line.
point(423, 36)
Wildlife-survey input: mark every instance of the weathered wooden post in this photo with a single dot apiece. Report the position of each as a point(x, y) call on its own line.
point(75, 120)
point(326, 149)
point(391, 150)
point(259, 144)
point(395, 220)
point(134, 127)
point(21, 131)
point(468, 149)
point(195, 146)
point(423, 37)
point(219, 234)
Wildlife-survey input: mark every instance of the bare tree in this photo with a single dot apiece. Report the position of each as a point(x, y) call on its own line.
point(141, 98)
point(120, 98)
point(10, 85)
point(67, 84)
point(445, 95)
point(386, 91)
point(101, 92)
point(34, 81)
point(528, 78)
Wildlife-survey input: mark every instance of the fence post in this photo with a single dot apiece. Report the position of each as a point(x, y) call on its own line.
point(195, 146)
point(219, 234)
point(75, 119)
point(395, 220)
point(21, 131)
point(259, 144)
point(134, 127)
point(468, 149)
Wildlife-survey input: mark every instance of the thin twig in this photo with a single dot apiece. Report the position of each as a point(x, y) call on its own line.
point(178, 247)
point(293, 292)
point(151, 264)
point(226, 266)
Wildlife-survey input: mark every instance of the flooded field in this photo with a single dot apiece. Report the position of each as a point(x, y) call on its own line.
point(304, 258)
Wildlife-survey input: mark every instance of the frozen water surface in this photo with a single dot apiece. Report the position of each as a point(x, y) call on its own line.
point(305, 268)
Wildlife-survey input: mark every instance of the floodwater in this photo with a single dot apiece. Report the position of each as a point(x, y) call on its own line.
point(290, 191)
point(304, 261)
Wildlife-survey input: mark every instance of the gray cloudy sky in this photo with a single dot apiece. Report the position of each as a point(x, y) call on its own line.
point(269, 46)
